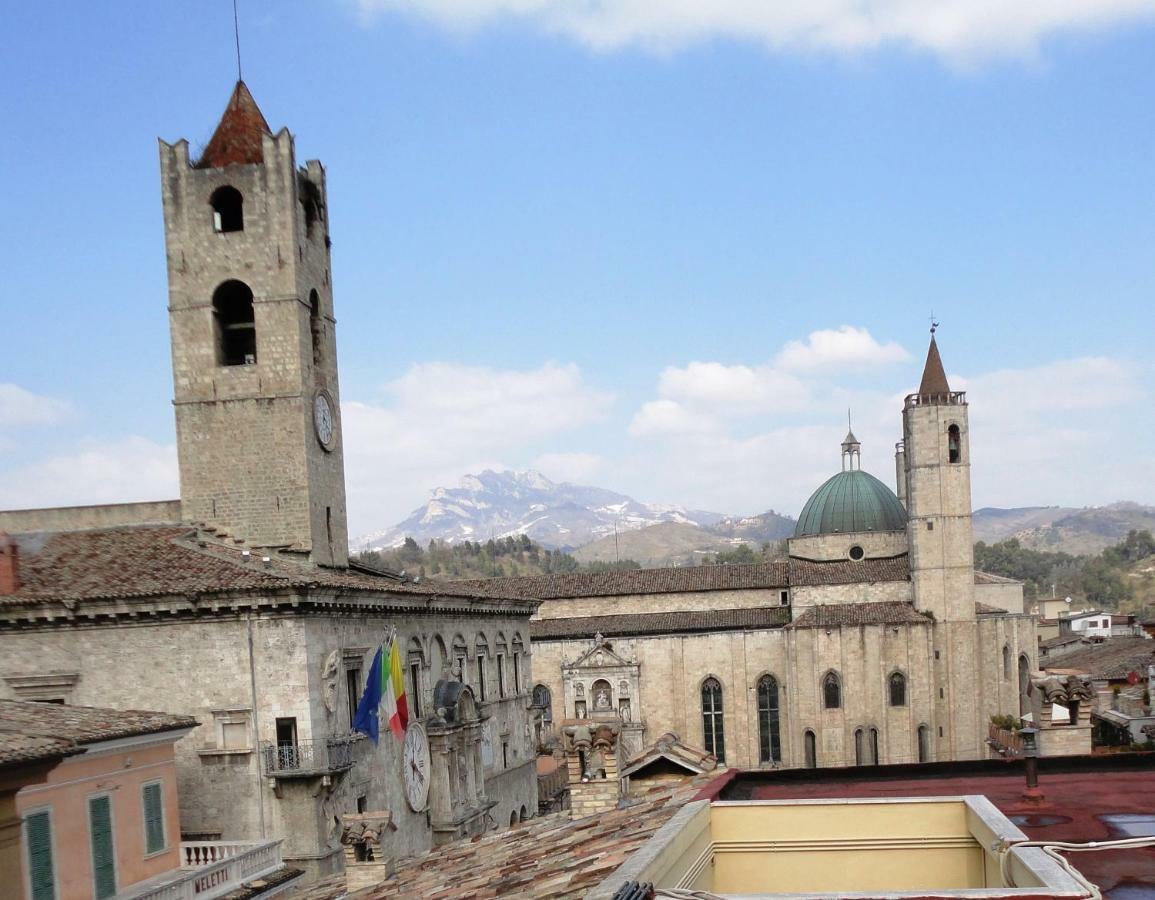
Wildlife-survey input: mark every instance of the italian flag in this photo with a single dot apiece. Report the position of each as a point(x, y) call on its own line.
point(393, 691)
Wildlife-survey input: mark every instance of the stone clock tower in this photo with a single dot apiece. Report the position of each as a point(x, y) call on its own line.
point(254, 352)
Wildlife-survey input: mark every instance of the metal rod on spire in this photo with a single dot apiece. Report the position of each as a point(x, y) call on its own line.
point(237, 35)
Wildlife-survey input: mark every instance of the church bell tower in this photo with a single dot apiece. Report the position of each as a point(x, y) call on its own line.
point(936, 462)
point(253, 345)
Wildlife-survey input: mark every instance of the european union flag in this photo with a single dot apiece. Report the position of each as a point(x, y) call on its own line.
point(366, 720)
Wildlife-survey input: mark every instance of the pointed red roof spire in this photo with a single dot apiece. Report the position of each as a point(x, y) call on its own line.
point(933, 374)
point(238, 138)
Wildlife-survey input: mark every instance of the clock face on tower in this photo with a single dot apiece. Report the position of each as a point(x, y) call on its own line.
point(323, 419)
point(415, 765)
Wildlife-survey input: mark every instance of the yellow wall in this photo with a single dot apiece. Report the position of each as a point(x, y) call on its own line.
point(844, 847)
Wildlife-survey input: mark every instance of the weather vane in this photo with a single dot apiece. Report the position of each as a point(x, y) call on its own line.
point(237, 35)
point(933, 323)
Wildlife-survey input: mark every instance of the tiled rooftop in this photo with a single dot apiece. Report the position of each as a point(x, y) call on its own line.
point(148, 561)
point(552, 856)
point(659, 623)
point(849, 614)
point(17, 748)
point(84, 724)
point(1113, 659)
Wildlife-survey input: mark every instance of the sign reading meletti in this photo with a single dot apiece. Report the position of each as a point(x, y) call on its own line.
point(211, 880)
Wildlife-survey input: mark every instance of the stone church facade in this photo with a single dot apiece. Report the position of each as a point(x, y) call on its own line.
point(238, 604)
point(875, 641)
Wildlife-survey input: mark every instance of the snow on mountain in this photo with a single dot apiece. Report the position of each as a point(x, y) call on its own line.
point(498, 504)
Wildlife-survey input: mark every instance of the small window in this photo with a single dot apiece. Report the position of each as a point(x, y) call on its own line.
point(516, 672)
point(897, 689)
point(236, 325)
point(482, 693)
point(923, 744)
point(353, 692)
point(415, 682)
point(41, 865)
point(856, 552)
point(501, 674)
point(831, 691)
point(153, 801)
point(874, 758)
point(228, 210)
point(316, 327)
point(811, 749)
point(953, 444)
point(930, 526)
point(784, 598)
point(505, 754)
point(1006, 662)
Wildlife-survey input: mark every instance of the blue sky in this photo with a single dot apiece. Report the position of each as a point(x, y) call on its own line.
point(655, 247)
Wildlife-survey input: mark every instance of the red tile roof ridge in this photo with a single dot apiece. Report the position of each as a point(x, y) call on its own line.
point(85, 724)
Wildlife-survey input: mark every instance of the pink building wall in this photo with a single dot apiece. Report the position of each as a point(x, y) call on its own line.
point(121, 774)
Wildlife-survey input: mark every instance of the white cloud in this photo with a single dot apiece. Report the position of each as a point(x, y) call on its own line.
point(442, 420)
point(959, 30)
point(20, 407)
point(579, 468)
point(120, 471)
point(838, 349)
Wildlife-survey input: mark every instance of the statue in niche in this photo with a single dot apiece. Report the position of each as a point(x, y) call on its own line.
point(602, 701)
point(580, 709)
point(624, 710)
point(329, 681)
point(579, 690)
point(623, 689)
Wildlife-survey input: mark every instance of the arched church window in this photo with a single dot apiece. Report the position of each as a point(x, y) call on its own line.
point(953, 444)
point(713, 727)
point(236, 325)
point(810, 747)
point(769, 737)
point(228, 210)
point(859, 747)
point(543, 701)
point(831, 691)
point(874, 757)
point(897, 687)
point(1006, 662)
point(923, 744)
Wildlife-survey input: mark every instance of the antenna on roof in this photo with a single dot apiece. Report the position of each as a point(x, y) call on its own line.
point(237, 35)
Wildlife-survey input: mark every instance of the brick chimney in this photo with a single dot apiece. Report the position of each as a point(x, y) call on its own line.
point(591, 750)
point(9, 565)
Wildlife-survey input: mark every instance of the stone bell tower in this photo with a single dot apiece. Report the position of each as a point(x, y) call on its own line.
point(253, 338)
point(936, 463)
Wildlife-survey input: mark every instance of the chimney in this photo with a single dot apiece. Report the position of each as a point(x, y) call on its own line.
point(9, 565)
point(591, 750)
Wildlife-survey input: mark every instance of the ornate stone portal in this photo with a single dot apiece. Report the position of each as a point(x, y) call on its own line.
point(603, 685)
point(457, 800)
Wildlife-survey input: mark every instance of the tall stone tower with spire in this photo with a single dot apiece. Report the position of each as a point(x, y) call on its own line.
point(253, 346)
point(937, 491)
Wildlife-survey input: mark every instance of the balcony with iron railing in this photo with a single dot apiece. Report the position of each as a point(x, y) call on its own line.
point(210, 869)
point(306, 759)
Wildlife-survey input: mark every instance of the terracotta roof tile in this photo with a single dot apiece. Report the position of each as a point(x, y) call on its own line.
point(17, 748)
point(84, 724)
point(985, 609)
point(805, 572)
point(659, 623)
point(158, 560)
point(1113, 659)
point(642, 581)
point(849, 614)
point(551, 856)
point(238, 139)
point(989, 578)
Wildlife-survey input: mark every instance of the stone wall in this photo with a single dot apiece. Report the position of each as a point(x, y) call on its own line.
point(875, 544)
point(80, 518)
point(568, 607)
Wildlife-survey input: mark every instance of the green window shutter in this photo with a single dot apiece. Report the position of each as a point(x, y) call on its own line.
point(41, 870)
point(103, 855)
point(153, 818)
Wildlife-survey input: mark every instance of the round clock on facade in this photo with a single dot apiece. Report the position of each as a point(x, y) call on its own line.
point(416, 767)
point(323, 419)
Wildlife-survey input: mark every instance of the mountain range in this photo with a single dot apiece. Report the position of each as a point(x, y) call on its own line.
point(602, 525)
point(560, 516)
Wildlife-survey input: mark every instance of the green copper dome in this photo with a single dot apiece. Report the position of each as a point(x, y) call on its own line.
point(851, 501)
